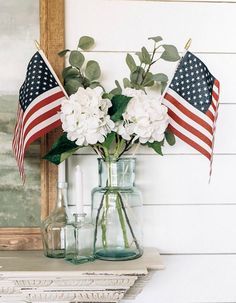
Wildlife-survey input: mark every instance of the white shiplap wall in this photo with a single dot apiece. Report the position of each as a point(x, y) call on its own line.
point(192, 223)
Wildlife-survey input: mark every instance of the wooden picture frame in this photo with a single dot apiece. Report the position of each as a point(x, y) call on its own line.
point(52, 34)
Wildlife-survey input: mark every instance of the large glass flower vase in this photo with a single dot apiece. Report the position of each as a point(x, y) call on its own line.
point(117, 211)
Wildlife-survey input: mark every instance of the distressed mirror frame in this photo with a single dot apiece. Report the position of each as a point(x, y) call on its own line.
point(52, 34)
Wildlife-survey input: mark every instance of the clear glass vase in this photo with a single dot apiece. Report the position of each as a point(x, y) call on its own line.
point(53, 227)
point(117, 211)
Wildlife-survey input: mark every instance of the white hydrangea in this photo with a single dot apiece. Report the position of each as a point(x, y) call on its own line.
point(145, 118)
point(85, 117)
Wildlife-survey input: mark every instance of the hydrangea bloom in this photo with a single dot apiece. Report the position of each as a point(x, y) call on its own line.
point(145, 118)
point(85, 117)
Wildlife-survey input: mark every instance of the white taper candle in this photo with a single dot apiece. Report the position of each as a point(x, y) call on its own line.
point(79, 189)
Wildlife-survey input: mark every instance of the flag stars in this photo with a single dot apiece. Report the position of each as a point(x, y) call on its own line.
point(193, 80)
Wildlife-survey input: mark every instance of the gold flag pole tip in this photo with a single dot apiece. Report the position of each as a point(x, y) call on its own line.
point(188, 44)
point(37, 45)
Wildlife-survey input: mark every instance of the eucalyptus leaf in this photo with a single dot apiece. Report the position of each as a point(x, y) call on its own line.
point(148, 80)
point(126, 83)
point(140, 56)
point(116, 91)
point(170, 137)
point(136, 77)
point(76, 58)
point(63, 52)
point(163, 87)
point(160, 77)
point(85, 42)
point(156, 39)
point(156, 146)
point(92, 70)
point(69, 73)
point(118, 84)
point(170, 53)
point(119, 104)
point(131, 63)
point(94, 84)
point(61, 149)
point(107, 96)
point(72, 85)
point(146, 56)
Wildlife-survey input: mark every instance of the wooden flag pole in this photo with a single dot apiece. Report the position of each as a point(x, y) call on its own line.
point(37, 45)
point(188, 44)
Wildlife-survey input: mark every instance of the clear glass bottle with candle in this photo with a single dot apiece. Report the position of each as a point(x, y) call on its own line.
point(53, 227)
point(79, 240)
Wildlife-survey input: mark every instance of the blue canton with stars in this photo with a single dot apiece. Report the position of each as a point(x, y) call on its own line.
point(39, 79)
point(193, 82)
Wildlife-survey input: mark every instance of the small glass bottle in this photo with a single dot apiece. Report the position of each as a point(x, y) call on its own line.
point(79, 240)
point(53, 227)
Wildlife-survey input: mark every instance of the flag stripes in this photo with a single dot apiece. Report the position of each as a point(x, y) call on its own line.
point(192, 100)
point(39, 104)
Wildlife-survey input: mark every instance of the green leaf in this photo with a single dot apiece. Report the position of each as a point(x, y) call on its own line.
point(109, 140)
point(146, 56)
point(126, 82)
point(140, 56)
point(86, 42)
point(131, 63)
point(76, 58)
point(163, 86)
point(156, 39)
point(107, 96)
point(72, 85)
point(170, 137)
point(70, 72)
point(117, 90)
point(63, 52)
point(156, 146)
point(136, 77)
point(92, 70)
point(94, 84)
point(148, 81)
point(160, 77)
point(61, 150)
point(119, 104)
point(170, 53)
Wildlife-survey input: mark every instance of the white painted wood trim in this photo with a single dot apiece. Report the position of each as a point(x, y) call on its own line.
point(31, 277)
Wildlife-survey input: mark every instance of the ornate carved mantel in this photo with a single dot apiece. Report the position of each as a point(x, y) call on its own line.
point(30, 277)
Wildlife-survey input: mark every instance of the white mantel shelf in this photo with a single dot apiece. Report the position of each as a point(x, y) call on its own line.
point(28, 276)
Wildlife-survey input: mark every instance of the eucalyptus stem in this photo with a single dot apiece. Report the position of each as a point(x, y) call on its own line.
point(122, 221)
point(128, 222)
point(151, 63)
point(96, 223)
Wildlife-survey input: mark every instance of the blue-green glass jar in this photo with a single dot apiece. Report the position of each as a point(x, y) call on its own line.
point(117, 211)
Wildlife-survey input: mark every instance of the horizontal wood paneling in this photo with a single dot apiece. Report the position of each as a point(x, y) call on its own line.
point(191, 229)
point(125, 25)
point(113, 68)
point(186, 279)
point(171, 179)
point(183, 214)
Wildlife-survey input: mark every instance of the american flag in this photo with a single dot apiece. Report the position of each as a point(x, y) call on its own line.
point(192, 101)
point(40, 99)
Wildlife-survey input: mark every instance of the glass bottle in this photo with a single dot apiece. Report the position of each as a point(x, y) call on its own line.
point(79, 240)
point(117, 211)
point(53, 227)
